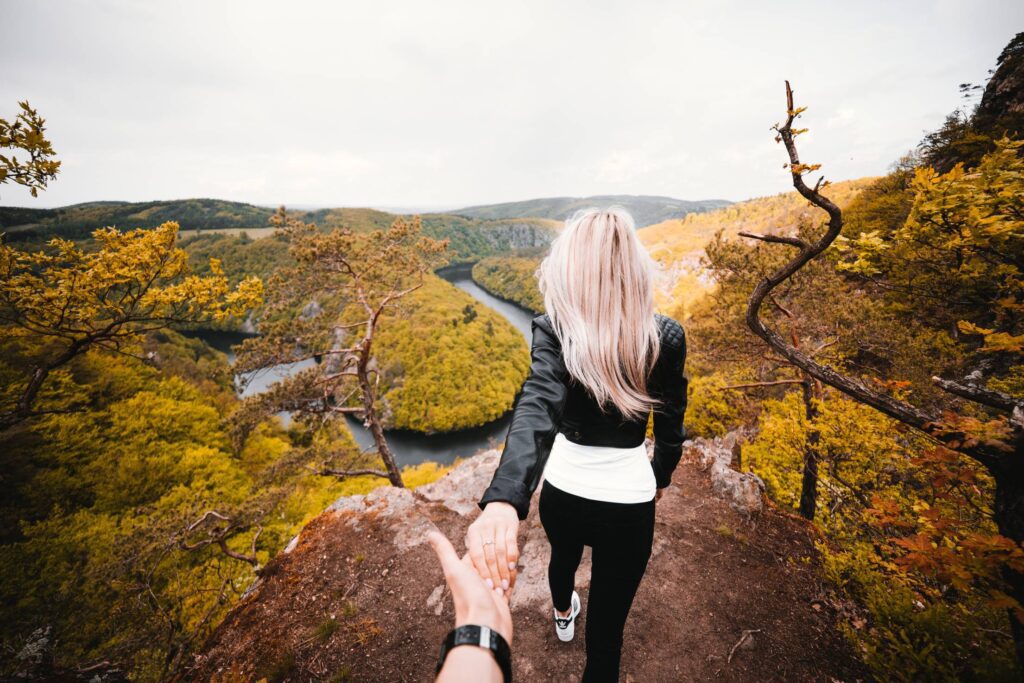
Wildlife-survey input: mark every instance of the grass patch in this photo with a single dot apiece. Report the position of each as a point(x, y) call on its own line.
point(342, 674)
point(327, 628)
point(280, 669)
point(726, 531)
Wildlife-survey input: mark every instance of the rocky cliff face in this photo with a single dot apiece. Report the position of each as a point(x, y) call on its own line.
point(1002, 105)
point(358, 595)
point(517, 235)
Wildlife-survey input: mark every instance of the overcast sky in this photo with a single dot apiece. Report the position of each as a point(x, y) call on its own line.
point(444, 103)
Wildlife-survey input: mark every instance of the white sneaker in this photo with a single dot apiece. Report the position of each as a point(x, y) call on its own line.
point(565, 627)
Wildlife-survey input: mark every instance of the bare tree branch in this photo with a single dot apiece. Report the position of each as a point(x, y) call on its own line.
point(774, 383)
point(219, 535)
point(987, 397)
point(341, 474)
point(776, 239)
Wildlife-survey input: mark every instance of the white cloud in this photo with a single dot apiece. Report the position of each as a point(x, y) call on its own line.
point(469, 101)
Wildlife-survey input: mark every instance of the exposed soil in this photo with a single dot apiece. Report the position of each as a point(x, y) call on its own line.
point(350, 602)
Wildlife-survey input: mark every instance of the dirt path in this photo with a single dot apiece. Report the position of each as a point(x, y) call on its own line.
point(713, 576)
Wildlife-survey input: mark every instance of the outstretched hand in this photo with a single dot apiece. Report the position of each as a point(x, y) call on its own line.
point(492, 540)
point(475, 602)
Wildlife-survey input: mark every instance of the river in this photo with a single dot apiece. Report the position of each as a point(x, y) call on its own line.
point(409, 447)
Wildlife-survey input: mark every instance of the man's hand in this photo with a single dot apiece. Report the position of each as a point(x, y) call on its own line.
point(658, 494)
point(475, 603)
point(493, 544)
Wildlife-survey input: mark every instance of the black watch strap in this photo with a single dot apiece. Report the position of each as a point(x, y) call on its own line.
point(481, 636)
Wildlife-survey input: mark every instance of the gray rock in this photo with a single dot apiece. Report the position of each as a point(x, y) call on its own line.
point(461, 488)
point(516, 235)
point(742, 490)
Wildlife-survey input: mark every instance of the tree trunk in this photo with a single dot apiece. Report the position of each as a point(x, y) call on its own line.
point(1008, 512)
point(394, 475)
point(373, 421)
point(26, 402)
point(809, 486)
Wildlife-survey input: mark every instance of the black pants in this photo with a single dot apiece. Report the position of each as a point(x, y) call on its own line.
point(621, 535)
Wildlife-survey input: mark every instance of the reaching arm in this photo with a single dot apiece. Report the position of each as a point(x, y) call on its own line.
point(669, 432)
point(492, 538)
point(534, 425)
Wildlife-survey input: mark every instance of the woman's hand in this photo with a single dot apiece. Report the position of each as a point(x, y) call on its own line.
point(658, 494)
point(475, 603)
point(493, 544)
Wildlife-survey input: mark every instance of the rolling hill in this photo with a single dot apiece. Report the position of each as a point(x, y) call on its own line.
point(646, 209)
point(470, 238)
point(678, 244)
point(78, 220)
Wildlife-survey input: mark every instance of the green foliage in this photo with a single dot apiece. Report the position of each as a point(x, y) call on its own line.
point(711, 410)
point(26, 133)
point(473, 239)
point(511, 278)
point(96, 502)
point(469, 238)
point(240, 257)
point(327, 628)
point(967, 137)
point(80, 220)
point(100, 494)
point(959, 255)
point(58, 303)
point(903, 638)
point(442, 361)
point(876, 497)
point(441, 372)
point(862, 453)
point(777, 452)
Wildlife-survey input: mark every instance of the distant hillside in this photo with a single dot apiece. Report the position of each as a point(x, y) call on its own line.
point(678, 244)
point(469, 238)
point(675, 239)
point(646, 210)
point(78, 220)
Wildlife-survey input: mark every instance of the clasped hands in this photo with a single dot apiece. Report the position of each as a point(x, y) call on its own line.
point(482, 580)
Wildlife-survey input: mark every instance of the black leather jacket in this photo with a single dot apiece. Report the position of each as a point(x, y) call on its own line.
point(552, 401)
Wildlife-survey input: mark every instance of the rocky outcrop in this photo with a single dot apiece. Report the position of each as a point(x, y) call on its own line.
point(35, 662)
point(359, 596)
point(744, 491)
point(510, 235)
point(1002, 104)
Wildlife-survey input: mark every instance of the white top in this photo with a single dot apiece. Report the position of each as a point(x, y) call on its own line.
point(615, 475)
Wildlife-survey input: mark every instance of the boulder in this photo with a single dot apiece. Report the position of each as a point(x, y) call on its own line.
point(742, 490)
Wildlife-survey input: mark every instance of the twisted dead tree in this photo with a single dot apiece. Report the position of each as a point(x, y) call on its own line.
point(1004, 460)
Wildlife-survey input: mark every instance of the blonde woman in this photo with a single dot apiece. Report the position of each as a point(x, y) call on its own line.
point(602, 362)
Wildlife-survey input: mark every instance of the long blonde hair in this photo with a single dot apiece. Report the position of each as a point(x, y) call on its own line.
point(598, 287)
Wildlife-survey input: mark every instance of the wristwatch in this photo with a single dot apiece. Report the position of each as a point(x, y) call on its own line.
point(482, 636)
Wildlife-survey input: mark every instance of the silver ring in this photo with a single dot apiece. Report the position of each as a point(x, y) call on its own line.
point(488, 542)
